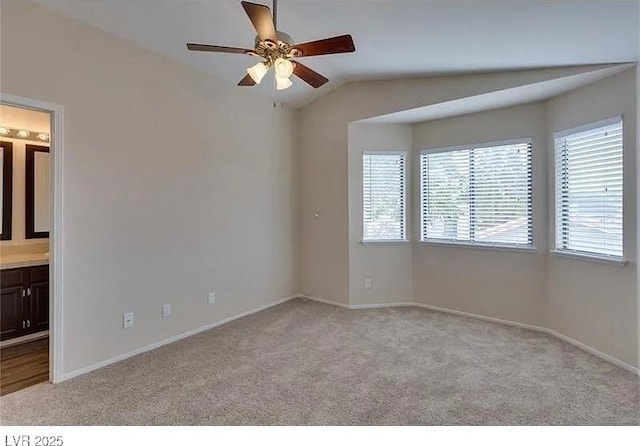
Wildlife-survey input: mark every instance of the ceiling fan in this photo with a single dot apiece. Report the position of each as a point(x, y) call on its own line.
point(278, 50)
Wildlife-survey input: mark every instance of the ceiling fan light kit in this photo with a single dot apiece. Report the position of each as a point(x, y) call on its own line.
point(283, 67)
point(282, 83)
point(258, 71)
point(278, 50)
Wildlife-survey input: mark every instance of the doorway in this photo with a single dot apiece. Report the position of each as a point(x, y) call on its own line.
point(30, 297)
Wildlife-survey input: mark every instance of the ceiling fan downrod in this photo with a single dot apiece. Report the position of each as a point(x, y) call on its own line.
point(275, 14)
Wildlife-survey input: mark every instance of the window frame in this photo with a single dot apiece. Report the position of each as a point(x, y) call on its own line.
point(531, 247)
point(572, 253)
point(405, 227)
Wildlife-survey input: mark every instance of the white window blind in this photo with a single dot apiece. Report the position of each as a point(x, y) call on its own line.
point(384, 196)
point(589, 190)
point(478, 195)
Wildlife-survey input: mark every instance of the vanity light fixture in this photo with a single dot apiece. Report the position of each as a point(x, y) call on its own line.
point(31, 135)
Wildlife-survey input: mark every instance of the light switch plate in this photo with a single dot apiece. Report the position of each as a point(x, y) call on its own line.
point(166, 310)
point(127, 320)
point(212, 298)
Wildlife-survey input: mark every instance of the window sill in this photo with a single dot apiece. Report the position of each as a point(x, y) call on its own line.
point(590, 257)
point(508, 248)
point(385, 242)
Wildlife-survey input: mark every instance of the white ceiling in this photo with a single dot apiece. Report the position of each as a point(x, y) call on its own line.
point(394, 38)
point(522, 94)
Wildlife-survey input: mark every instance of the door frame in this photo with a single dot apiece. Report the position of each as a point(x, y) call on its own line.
point(56, 245)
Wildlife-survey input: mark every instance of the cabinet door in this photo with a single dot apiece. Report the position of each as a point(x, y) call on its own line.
point(39, 319)
point(12, 303)
point(11, 313)
point(38, 293)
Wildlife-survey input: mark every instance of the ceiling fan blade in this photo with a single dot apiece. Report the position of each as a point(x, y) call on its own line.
point(332, 45)
point(260, 16)
point(313, 78)
point(247, 81)
point(216, 49)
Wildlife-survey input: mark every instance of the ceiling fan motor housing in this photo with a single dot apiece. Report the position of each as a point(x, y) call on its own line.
point(271, 51)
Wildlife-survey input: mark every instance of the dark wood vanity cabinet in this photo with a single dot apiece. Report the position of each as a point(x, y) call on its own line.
point(24, 301)
point(11, 302)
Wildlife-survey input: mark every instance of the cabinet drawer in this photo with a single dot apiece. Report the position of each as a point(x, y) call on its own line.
point(13, 277)
point(39, 273)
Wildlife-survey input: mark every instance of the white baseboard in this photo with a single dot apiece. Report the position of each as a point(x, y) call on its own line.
point(325, 301)
point(593, 351)
point(481, 317)
point(359, 306)
point(537, 328)
point(172, 339)
point(389, 305)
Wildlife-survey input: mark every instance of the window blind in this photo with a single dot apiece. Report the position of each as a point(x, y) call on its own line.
point(478, 195)
point(384, 196)
point(588, 173)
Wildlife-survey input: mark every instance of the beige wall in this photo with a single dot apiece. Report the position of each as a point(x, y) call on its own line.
point(322, 169)
point(175, 185)
point(387, 265)
point(503, 284)
point(594, 303)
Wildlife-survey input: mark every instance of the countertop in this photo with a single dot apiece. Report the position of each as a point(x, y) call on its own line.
point(23, 260)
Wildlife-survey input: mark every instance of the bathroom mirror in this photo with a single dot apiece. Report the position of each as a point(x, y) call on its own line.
point(37, 196)
point(6, 194)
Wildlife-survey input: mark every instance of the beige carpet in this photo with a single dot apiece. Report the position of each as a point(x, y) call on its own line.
point(309, 363)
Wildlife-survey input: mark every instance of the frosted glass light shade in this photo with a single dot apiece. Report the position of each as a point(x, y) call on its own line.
point(283, 67)
point(282, 83)
point(257, 72)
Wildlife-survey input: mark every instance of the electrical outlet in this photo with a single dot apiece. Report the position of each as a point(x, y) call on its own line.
point(166, 310)
point(127, 320)
point(367, 283)
point(212, 298)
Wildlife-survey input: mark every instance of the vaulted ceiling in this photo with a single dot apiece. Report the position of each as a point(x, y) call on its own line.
point(394, 38)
